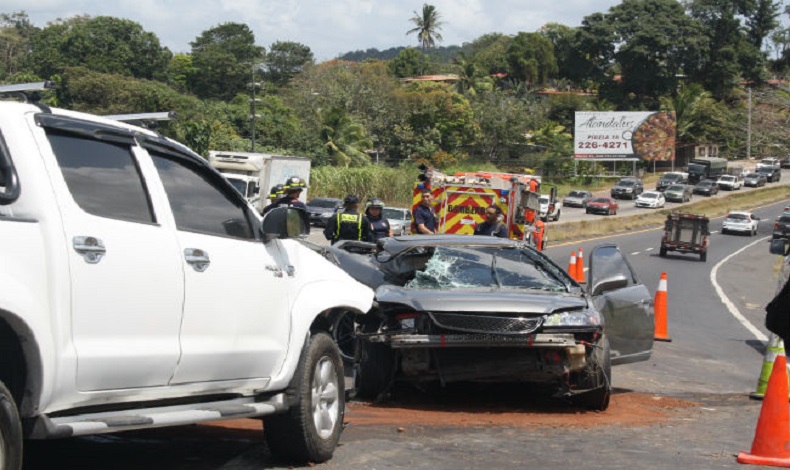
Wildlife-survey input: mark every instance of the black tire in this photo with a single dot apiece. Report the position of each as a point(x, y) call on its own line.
point(557, 217)
point(609, 211)
point(723, 232)
point(663, 251)
point(344, 334)
point(587, 211)
point(703, 256)
point(10, 432)
point(376, 369)
point(295, 435)
point(597, 376)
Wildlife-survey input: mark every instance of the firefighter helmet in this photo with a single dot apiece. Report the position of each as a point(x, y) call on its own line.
point(295, 183)
point(277, 191)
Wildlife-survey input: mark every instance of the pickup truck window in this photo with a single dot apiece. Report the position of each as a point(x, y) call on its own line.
point(197, 204)
point(102, 176)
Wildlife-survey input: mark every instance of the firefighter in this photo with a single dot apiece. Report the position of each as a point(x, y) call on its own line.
point(348, 224)
point(540, 228)
point(277, 192)
point(379, 225)
point(293, 189)
point(492, 226)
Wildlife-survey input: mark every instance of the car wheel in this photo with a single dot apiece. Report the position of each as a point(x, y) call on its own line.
point(723, 231)
point(310, 429)
point(662, 252)
point(10, 432)
point(597, 376)
point(557, 217)
point(703, 256)
point(376, 369)
point(609, 211)
point(587, 211)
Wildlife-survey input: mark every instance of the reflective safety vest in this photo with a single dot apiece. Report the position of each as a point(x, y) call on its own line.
point(349, 226)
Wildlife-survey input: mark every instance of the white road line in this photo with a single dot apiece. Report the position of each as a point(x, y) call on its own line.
point(649, 249)
point(635, 253)
point(727, 303)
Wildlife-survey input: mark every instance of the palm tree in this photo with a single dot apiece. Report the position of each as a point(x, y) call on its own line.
point(427, 27)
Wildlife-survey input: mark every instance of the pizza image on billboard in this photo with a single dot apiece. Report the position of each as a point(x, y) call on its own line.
point(654, 139)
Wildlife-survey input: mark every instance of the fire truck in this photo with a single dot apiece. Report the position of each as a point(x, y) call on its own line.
point(461, 200)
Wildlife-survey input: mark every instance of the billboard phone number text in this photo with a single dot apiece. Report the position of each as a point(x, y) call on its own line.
point(604, 145)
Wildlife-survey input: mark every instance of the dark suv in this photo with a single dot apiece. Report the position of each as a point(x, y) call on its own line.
point(772, 175)
point(782, 227)
point(627, 188)
point(320, 209)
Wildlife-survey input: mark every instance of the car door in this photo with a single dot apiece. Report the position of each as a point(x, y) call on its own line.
point(236, 318)
point(126, 278)
point(625, 303)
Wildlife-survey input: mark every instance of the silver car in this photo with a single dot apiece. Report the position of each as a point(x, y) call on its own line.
point(399, 219)
point(577, 198)
point(740, 222)
point(678, 193)
point(484, 309)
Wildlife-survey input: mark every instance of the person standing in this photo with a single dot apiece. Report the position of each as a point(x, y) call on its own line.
point(293, 189)
point(424, 215)
point(379, 225)
point(540, 230)
point(348, 224)
point(492, 226)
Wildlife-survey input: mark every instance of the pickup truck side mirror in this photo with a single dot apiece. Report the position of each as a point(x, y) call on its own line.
point(284, 222)
point(780, 246)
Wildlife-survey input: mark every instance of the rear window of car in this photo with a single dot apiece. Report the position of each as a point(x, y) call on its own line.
point(676, 187)
point(738, 216)
point(323, 203)
point(576, 194)
point(785, 219)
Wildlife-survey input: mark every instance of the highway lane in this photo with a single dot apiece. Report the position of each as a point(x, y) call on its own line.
point(711, 350)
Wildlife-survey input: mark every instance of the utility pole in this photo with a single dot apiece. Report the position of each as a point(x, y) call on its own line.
point(749, 125)
point(253, 100)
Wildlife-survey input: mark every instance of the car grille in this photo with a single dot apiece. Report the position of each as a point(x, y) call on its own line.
point(486, 323)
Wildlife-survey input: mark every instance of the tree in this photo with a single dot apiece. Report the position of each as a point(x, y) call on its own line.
point(285, 59)
point(489, 53)
point(531, 58)
point(15, 33)
point(345, 140)
point(224, 58)
point(407, 64)
point(427, 27)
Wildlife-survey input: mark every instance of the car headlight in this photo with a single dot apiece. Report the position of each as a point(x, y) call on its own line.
point(579, 318)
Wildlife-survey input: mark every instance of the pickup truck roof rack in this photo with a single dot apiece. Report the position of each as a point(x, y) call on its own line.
point(28, 92)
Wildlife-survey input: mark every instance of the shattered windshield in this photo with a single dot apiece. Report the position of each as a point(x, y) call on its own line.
point(452, 268)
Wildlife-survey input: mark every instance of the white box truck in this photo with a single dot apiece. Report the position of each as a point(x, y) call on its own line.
point(253, 174)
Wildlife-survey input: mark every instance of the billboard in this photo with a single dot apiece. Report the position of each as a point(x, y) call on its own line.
point(624, 136)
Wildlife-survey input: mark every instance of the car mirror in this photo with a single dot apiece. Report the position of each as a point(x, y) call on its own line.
point(780, 246)
point(609, 284)
point(284, 222)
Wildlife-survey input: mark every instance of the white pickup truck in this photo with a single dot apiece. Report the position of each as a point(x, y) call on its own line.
point(139, 290)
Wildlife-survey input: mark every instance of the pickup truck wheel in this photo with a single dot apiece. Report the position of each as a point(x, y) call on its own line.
point(703, 256)
point(310, 429)
point(376, 370)
point(596, 376)
point(663, 251)
point(10, 432)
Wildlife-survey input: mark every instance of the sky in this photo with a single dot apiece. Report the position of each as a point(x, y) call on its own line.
point(328, 27)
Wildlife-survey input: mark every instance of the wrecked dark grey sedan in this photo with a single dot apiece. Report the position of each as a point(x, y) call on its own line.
point(453, 308)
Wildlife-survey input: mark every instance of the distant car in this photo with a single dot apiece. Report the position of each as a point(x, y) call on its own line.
point(577, 198)
point(782, 226)
point(772, 174)
point(668, 179)
point(320, 209)
point(678, 193)
point(740, 221)
point(729, 182)
point(549, 211)
point(785, 162)
point(627, 188)
point(769, 162)
point(399, 218)
point(755, 180)
point(651, 199)
point(602, 205)
point(706, 188)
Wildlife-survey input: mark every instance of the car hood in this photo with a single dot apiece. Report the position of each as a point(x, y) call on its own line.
point(481, 300)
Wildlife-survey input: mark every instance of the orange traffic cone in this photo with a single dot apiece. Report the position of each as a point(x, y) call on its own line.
point(660, 310)
point(580, 266)
point(771, 445)
point(572, 266)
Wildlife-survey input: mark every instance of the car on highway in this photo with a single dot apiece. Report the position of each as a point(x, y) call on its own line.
point(678, 193)
point(755, 180)
point(460, 308)
point(650, 199)
point(706, 188)
point(577, 198)
point(740, 222)
point(627, 188)
point(772, 174)
point(602, 205)
point(782, 226)
point(549, 211)
point(729, 183)
point(399, 219)
point(320, 209)
point(785, 162)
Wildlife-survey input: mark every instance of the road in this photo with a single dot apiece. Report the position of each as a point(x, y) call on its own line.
point(696, 387)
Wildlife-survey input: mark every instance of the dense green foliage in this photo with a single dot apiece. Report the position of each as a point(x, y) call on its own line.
point(694, 57)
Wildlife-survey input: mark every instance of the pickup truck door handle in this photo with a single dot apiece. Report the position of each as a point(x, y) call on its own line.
point(197, 258)
point(91, 248)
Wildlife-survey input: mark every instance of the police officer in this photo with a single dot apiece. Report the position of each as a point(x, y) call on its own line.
point(492, 226)
point(379, 225)
point(348, 224)
point(293, 189)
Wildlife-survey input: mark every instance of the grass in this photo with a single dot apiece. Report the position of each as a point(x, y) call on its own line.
point(713, 207)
